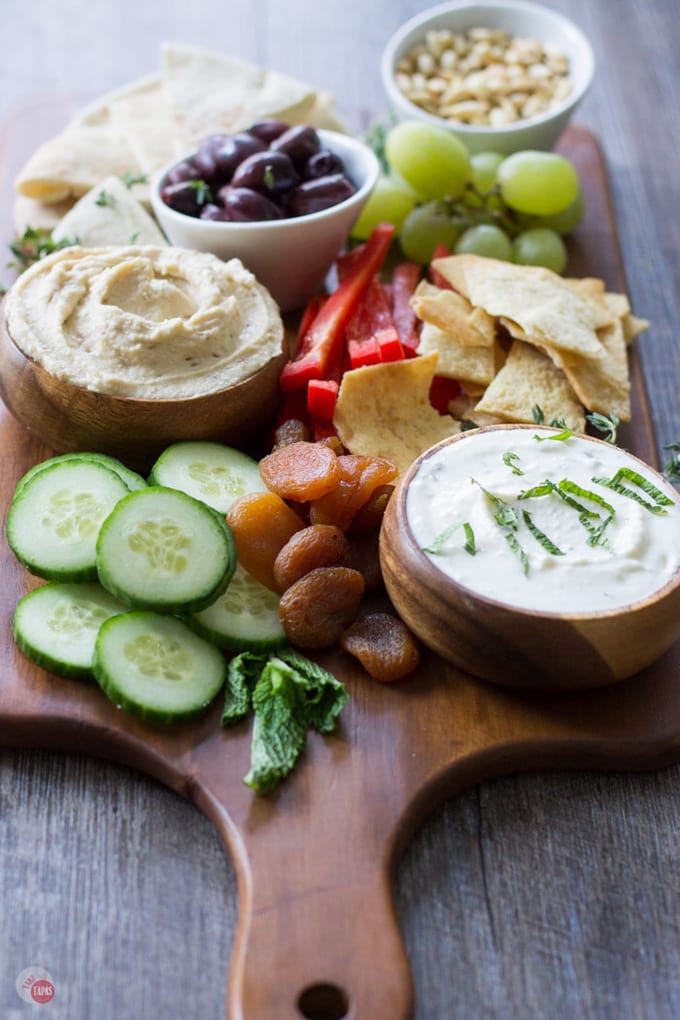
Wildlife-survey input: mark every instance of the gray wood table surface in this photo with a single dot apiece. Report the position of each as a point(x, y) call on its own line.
point(552, 895)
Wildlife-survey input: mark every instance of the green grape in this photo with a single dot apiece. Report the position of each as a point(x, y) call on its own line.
point(484, 169)
point(565, 221)
point(390, 202)
point(487, 240)
point(429, 158)
point(426, 227)
point(539, 183)
point(540, 247)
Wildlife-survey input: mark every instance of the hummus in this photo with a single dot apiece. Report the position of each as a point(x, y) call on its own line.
point(144, 321)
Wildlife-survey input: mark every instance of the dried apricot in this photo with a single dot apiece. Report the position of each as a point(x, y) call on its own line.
point(319, 545)
point(384, 646)
point(317, 608)
point(262, 523)
point(358, 478)
point(365, 557)
point(301, 471)
point(369, 516)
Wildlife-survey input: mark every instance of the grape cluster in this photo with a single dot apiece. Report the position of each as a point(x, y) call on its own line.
point(269, 172)
point(516, 208)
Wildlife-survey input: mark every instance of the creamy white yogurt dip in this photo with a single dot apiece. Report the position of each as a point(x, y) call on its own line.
point(526, 518)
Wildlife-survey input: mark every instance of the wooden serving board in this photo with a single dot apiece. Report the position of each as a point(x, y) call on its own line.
point(317, 936)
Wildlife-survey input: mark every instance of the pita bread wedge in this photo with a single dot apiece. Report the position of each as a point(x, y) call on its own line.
point(472, 366)
point(108, 214)
point(603, 384)
point(529, 379)
point(548, 310)
point(30, 212)
point(384, 411)
point(142, 118)
point(210, 92)
point(74, 161)
point(452, 313)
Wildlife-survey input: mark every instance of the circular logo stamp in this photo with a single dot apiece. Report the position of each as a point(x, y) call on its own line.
point(35, 985)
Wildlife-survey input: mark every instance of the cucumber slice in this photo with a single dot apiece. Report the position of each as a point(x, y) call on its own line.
point(132, 479)
point(161, 549)
point(53, 523)
point(56, 625)
point(243, 618)
point(211, 472)
point(156, 668)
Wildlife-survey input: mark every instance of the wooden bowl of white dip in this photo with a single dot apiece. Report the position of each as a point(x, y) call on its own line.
point(127, 349)
point(535, 559)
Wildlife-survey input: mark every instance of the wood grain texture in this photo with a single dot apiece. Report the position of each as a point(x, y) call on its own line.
point(528, 896)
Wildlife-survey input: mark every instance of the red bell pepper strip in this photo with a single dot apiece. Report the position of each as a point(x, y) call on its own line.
point(391, 348)
point(404, 281)
point(440, 252)
point(442, 390)
point(322, 395)
point(325, 333)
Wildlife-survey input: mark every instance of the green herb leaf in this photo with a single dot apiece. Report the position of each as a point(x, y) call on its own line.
point(268, 178)
point(202, 191)
point(33, 245)
point(672, 467)
point(507, 520)
point(438, 546)
point(105, 198)
point(130, 179)
point(596, 531)
point(540, 536)
point(469, 546)
point(511, 459)
point(537, 414)
point(544, 489)
point(467, 424)
point(558, 423)
point(607, 426)
point(635, 478)
point(288, 693)
point(571, 487)
point(558, 437)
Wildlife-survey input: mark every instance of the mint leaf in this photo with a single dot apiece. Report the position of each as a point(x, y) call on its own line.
point(242, 675)
point(279, 731)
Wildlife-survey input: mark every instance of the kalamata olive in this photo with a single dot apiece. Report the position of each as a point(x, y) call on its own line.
point(184, 171)
point(268, 129)
point(322, 163)
point(233, 151)
point(187, 197)
point(299, 142)
point(205, 159)
point(322, 193)
point(210, 211)
point(243, 205)
point(270, 172)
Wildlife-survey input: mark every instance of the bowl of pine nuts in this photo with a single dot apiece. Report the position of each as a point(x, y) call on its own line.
point(502, 76)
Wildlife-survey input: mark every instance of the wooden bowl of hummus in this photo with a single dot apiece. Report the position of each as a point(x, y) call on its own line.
point(535, 558)
point(127, 349)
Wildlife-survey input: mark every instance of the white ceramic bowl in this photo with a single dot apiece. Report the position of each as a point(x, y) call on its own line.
point(291, 257)
point(520, 18)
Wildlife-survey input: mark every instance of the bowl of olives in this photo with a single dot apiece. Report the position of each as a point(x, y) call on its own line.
point(282, 199)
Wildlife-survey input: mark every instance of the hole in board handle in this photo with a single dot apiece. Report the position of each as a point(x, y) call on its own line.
point(323, 1002)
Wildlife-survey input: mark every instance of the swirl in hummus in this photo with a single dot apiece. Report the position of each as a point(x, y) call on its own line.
point(144, 321)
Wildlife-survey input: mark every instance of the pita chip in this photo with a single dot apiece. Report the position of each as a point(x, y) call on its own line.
point(384, 411)
point(453, 314)
point(472, 366)
point(528, 379)
point(108, 214)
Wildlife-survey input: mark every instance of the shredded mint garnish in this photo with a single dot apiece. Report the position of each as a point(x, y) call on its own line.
point(559, 437)
point(437, 547)
point(635, 478)
point(540, 536)
point(507, 520)
point(596, 531)
point(288, 694)
point(511, 459)
point(537, 414)
point(567, 486)
point(469, 546)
